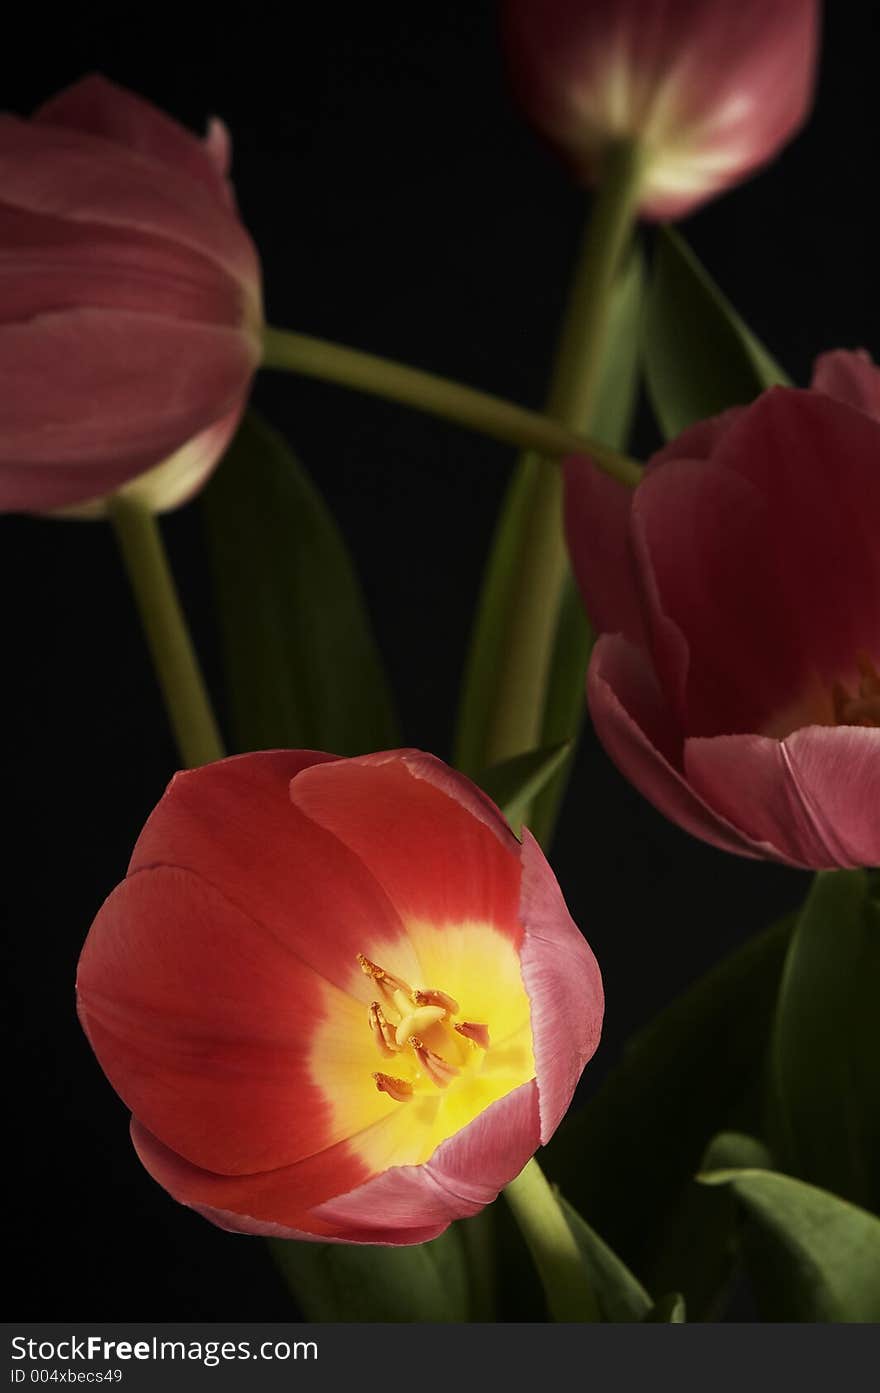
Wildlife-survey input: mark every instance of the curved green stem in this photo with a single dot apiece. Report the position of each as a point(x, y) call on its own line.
point(570, 1297)
point(177, 668)
point(536, 594)
point(479, 411)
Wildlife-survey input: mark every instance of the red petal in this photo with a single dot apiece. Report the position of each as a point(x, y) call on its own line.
point(638, 731)
point(564, 985)
point(437, 846)
point(203, 1021)
point(158, 382)
point(814, 795)
point(233, 824)
point(464, 1174)
point(597, 515)
point(101, 108)
point(275, 1204)
point(851, 377)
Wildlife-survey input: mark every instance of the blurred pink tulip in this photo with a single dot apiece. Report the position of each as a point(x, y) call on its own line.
point(129, 303)
point(711, 89)
point(737, 681)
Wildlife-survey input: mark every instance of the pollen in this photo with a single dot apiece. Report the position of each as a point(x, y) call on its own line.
point(416, 1027)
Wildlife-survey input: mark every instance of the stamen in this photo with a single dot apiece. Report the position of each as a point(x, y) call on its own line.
point(383, 1031)
point(474, 1030)
point(437, 1069)
point(387, 983)
point(414, 1022)
point(435, 998)
point(398, 1089)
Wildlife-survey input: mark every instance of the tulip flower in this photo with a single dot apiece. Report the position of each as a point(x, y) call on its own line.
point(340, 999)
point(737, 681)
point(709, 89)
point(130, 304)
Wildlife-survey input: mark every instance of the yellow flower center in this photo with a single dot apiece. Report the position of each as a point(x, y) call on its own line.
point(439, 1030)
point(417, 1032)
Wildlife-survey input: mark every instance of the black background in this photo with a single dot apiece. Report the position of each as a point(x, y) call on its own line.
point(400, 205)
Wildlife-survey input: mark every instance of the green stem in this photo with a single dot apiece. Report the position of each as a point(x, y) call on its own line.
point(479, 411)
point(570, 1297)
point(177, 668)
point(535, 598)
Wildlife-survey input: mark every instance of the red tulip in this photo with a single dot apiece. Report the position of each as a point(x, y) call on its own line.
point(738, 588)
point(339, 997)
point(129, 303)
point(711, 89)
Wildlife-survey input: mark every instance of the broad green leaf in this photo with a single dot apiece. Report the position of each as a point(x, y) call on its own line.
point(302, 666)
point(817, 1257)
point(362, 1282)
point(620, 1295)
point(609, 422)
point(669, 1310)
point(515, 782)
point(630, 1154)
point(825, 1058)
point(700, 357)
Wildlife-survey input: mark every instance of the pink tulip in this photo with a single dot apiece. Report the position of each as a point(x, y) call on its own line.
point(711, 89)
point(129, 303)
point(737, 681)
point(339, 997)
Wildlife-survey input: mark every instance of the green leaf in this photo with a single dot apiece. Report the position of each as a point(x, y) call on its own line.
point(825, 1059)
point(631, 1153)
point(669, 1310)
point(302, 667)
point(736, 1151)
point(700, 358)
point(515, 782)
point(609, 422)
point(621, 1296)
point(362, 1282)
point(817, 1257)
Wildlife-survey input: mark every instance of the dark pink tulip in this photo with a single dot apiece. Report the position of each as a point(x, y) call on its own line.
point(711, 89)
point(738, 590)
point(129, 303)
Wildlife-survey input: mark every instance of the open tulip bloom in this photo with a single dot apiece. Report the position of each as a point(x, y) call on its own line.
point(339, 997)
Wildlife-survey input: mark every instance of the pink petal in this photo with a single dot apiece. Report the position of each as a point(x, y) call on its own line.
point(66, 174)
point(716, 87)
point(564, 986)
point(436, 845)
point(731, 643)
point(852, 377)
point(464, 1174)
point(814, 795)
point(233, 824)
point(814, 463)
point(203, 1021)
point(101, 108)
point(638, 731)
point(699, 441)
point(157, 383)
point(48, 264)
point(597, 516)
